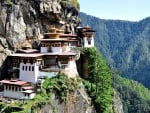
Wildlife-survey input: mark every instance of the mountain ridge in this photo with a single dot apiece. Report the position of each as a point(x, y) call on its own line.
point(136, 21)
point(124, 44)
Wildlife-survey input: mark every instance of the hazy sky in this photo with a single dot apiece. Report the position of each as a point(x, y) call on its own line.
point(132, 10)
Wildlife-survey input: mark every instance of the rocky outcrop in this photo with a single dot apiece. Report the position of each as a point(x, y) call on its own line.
point(77, 102)
point(4, 51)
point(21, 19)
point(117, 103)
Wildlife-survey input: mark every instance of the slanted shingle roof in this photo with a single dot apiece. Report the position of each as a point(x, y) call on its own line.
point(33, 55)
point(14, 82)
point(27, 51)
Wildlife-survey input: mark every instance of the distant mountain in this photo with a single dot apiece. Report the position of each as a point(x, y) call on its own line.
point(124, 44)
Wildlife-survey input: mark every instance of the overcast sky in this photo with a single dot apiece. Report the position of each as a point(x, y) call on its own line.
point(132, 10)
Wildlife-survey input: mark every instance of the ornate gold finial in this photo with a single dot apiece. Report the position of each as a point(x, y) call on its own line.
point(53, 29)
point(52, 26)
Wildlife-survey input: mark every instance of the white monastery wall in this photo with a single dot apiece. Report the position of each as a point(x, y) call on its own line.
point(85, 41)
point(29, 72)
point(48, 74)
point(18, 95)
point(56, 49)
point(13, 94)
point(43, 49)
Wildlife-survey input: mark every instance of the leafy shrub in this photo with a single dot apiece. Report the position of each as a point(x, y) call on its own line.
point(61, 85)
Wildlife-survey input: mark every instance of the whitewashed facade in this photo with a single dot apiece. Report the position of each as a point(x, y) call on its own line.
point(56, 49)
point(18, 95)
point(87, 42)
point(43, 49)
point(29, 72)
point(17, 89)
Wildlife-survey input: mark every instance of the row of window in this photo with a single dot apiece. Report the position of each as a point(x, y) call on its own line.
point(16, 60)
point(27, 94)
point(28, 61)
point(28, 68)
point(59, 45)
point(15, 65)
point(51, 45)
point(12, 88)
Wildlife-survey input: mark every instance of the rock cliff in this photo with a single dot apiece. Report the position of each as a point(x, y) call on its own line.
point(21, 20)
point(117, 103)
point(77, 102)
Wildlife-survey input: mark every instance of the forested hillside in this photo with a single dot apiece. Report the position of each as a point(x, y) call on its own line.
point(124, 44)
point(135, 97)
point(99, 82)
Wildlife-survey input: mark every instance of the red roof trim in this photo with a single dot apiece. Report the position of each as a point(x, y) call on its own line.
point(13, 82)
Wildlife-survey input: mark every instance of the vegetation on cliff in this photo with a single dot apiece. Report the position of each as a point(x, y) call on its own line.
point(60, 86)
point(99, 83)
point(135, 97)
point(125, 46)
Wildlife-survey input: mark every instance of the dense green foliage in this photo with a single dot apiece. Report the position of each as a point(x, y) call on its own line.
point(61, 85)
point(99, 82)
point(135, 97)
point(124, 44)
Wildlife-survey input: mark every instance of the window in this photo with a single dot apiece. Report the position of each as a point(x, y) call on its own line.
point(29, 68)
point(32, 68)
point(26, 68)
point(6, 87)
point(9, 87)
point(26, 94)
point(12, 88)
point(89, 42)
point(22, 67)
point(17, 65)
point(16, 88)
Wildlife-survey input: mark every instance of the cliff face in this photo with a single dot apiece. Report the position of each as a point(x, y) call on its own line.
point(21, 19)
point(117, 103)
point(77, 102)
point(27, 19)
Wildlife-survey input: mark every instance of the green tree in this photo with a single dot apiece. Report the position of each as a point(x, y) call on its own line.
point(125, 45)
point(100, 80)
point(135, 96)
